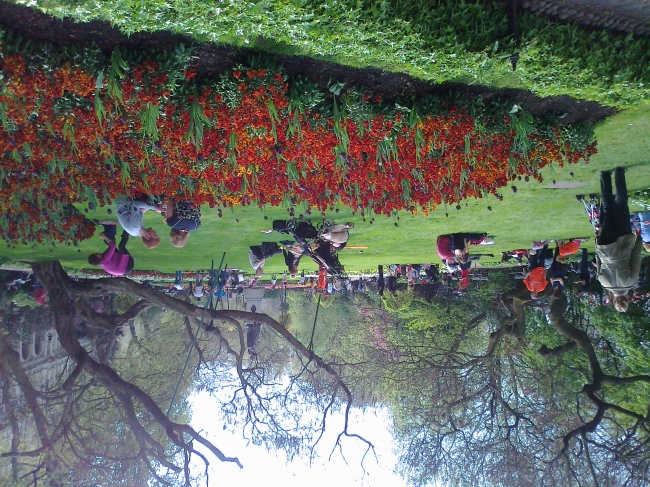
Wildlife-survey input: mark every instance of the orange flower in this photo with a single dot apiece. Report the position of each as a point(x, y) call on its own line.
point(243, 156)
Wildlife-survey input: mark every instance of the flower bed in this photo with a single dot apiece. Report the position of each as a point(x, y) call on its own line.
point(81, 127)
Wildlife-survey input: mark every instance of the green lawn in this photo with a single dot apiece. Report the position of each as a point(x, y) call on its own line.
point(532, 213)
point(439, 41)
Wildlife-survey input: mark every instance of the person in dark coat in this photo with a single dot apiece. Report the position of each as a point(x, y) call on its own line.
point(303, 230)
point(292, 255)
point(257, 255)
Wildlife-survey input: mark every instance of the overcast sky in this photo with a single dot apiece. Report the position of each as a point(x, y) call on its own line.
point(266, 469)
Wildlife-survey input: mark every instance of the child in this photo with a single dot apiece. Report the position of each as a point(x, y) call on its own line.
point(584, 273)
point(183, 217)
point(116, 260)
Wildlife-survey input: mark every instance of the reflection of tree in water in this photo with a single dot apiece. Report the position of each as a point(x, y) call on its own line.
point(483, 389)
point(533, 402)
point(486, 390)
point(105, 420)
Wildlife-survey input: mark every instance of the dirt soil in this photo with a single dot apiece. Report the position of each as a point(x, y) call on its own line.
point(214, 60)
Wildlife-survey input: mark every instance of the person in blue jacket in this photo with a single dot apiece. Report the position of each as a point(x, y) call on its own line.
point(641, 226)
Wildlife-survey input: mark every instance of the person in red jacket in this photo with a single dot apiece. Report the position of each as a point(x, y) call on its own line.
point(569, 247)
point(536, 281)
point(455, 247)
point(116, 260)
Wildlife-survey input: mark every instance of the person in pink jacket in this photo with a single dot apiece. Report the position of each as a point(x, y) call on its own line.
point(116, 260)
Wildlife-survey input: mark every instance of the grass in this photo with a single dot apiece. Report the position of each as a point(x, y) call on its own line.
point(440, 41)
point(532, 213)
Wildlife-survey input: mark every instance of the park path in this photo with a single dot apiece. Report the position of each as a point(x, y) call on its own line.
point(632, 16)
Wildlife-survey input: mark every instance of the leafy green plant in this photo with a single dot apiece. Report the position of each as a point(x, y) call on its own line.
point(442, 40)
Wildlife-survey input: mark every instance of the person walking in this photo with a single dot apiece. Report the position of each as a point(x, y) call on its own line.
point(456, 246)
point(257, 255)
point(539, 265)
point(115, 260)
point(618, 250)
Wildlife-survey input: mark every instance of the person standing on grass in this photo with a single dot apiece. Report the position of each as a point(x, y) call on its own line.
point(292, 255)
point(456, 246)
point(558, 273)
point(115, 260)
point(391, 284)
point(535, 281)
point(516, 254)
point(257, 255)
point(540, 258)
point(130, 215)
point(618, 250)
point(183, 217)
point(538, 263)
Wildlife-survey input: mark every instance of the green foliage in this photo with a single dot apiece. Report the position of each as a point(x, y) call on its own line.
point(334, 312)
point(305, 95)
point(626, 345)
point(443, 40)
point(398, 303)
point(22, 298)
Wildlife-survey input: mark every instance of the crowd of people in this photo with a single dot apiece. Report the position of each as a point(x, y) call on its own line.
point(321, 245)
point(616, 265)
point(618, 261)
point(181, 216)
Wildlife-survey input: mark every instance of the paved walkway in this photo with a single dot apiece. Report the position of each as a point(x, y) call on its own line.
point(620, 15)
